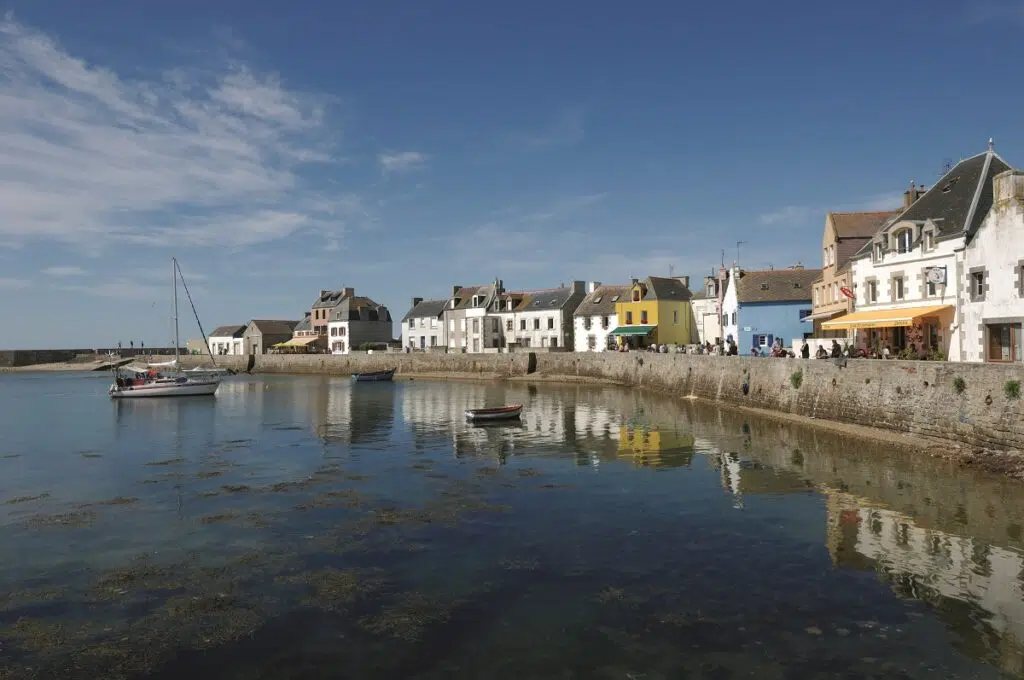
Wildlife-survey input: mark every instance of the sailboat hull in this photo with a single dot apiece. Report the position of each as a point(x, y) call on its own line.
point(190, 388)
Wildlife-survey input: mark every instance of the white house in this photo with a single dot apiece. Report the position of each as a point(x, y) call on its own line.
point(992, 278)
point(539, 318)
point(906, 277)
point(706, 311)
point(423, 325)
point(227, 340)
point(595, 317)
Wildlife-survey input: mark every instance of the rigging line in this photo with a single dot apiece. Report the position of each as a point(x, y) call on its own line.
point(184, 285)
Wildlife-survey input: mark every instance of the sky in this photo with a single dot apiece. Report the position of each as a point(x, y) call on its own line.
point(403, 148)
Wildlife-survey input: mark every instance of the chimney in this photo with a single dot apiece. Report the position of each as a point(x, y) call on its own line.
point(633, 281)
point(416, 301)
point(349, 292)
point(1008, 189)
point(912, 194)
point(685, 280)
point(579, 287)
point(455, 289)
point(592, 286)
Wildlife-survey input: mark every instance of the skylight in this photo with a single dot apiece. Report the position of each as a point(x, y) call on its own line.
point(615, 298)
point(597, 299)
point(764, 286)
point(948, 186)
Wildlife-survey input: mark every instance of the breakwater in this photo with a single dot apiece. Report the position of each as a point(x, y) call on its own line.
point(15, 358)
point(977, 405)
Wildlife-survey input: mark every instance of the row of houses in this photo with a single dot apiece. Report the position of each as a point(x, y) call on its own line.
point(338, 321)
point(942, 275)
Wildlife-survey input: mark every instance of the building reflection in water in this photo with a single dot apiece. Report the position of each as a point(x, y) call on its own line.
point(976, 588)
point(650, 446)
point(352, 413)
point(741, 476)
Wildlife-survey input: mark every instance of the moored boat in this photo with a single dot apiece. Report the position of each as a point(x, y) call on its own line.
point(375, 376)
point(498, 413)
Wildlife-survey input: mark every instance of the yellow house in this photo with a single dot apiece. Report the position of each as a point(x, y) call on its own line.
point(657, 312)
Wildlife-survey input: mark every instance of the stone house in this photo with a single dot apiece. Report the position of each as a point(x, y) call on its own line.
point(991, 284)
point(262, 334)
point(227, 340)
point(423, 325)
point(356, 320)
point(595, 318)
point(760, 307)
point(906, 277)
point(539, 318)
point(844, 235)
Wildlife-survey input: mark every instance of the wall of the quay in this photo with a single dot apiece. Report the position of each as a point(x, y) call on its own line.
point(13, 358)
point(972, 404)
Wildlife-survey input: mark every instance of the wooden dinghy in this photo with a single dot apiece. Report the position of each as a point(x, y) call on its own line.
point(498, 413)
point(375, 376)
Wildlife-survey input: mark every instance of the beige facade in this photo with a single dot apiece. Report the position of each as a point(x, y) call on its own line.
point(844, 234)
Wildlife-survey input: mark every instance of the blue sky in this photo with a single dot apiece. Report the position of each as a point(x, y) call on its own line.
point(401, 148)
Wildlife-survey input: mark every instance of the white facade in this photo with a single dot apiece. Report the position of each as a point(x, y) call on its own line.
point(226, 346)
point(705, 316)
point(424, 333)
point(592, 333)
point(992, 283)
point(730, 307)
point(338, 337)
point(541, 328)
point(888, 279)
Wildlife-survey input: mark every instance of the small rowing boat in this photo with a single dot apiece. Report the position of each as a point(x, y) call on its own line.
point(375, 376)
point(498, 413)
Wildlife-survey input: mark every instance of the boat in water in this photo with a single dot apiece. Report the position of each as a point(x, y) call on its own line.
point(509, 412)
point(375, 376)
point(141, 382)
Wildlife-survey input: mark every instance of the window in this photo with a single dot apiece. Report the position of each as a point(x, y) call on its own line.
point(551, 323)
point(604, 323)
point(930, 289)
point(476, 325)
point(536, 324)
point(796, 284)
point(734, 318)
point(591, 342)
point(629, 318)
point(636, 295)
point(476, 301)
point(929, 240)
point(675, 316)
point(897, 288)
point(978, 285)
point(1004, 342)
point(462, 325)
point(586, 323)
point(643, 316)
point(904, 240)
point(433, 341)
point(824, 257)
point(451, 326)
point(879, 252)
point(872, 291)
point(597, 299)
point(476, 344)
point(412, 324)
point(615, 298)
point(764, 286)
point(508, 325)
point(804, 313)
point(835, 292)
point(433, 322)
point(817, 296)
point(553, 342)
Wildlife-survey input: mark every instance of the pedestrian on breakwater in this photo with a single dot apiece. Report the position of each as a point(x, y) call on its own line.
point(805, 351)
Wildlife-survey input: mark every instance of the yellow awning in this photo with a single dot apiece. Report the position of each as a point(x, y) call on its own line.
point(299, 342)
point(883, 318)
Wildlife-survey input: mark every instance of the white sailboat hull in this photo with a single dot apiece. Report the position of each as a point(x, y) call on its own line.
point(190, 388)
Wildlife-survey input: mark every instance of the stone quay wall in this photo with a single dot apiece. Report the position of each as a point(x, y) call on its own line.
point(972, 404)
point(14, 358)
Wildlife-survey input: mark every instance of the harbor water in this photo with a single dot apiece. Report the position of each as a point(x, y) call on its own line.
point(311, 527)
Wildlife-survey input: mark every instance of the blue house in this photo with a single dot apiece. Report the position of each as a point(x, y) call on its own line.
point(760, 307)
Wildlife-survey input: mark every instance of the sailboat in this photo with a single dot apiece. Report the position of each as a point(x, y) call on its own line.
point(139, 382)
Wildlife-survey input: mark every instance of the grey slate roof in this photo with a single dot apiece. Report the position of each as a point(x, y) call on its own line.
point(274, 327)
point(664, 288)
point(550, 299)
point(305, 325)
point(776, 285)
point(426, 309)
point(957, 203)
point(600, 302)
point(329, 299)
point(466, 293)
point(359, 308)
point(229, 331)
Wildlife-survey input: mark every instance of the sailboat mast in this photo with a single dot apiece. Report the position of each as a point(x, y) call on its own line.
point(174, 284)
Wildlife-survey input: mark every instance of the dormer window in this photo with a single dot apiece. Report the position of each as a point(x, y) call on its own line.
point(879, 251)
point(476, 300)
point(510, 304)
point(636, 295)
point(904, 240)
point(929, 240)
point(796, 284)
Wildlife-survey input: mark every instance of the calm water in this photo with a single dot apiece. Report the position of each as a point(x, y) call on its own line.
point(311, 528)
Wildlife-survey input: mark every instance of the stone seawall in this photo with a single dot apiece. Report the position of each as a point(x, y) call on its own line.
point(972, 404)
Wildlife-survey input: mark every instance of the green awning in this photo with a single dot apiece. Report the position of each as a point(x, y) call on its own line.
point(633, 330)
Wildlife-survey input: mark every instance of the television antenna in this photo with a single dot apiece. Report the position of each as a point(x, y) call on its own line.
point(738, 244)
point(947, 165)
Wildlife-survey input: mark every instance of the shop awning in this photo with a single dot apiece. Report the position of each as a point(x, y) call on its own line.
point(299, 342)
point(821, 315)
point(633, 330)
point(883, 318)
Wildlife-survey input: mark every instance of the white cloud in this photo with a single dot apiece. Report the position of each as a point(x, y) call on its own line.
point(194, 157)
point(402, 161)
point(131, 289)
point(13, 284)
point(64, 271)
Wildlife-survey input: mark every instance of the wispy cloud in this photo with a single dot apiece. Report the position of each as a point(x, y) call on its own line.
point(127, 289)
point(797, 215)
point(61, 272)
point(194, 157)
point(564, 130)
point(790, 214)
point(402, 161)
point(7, 283)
